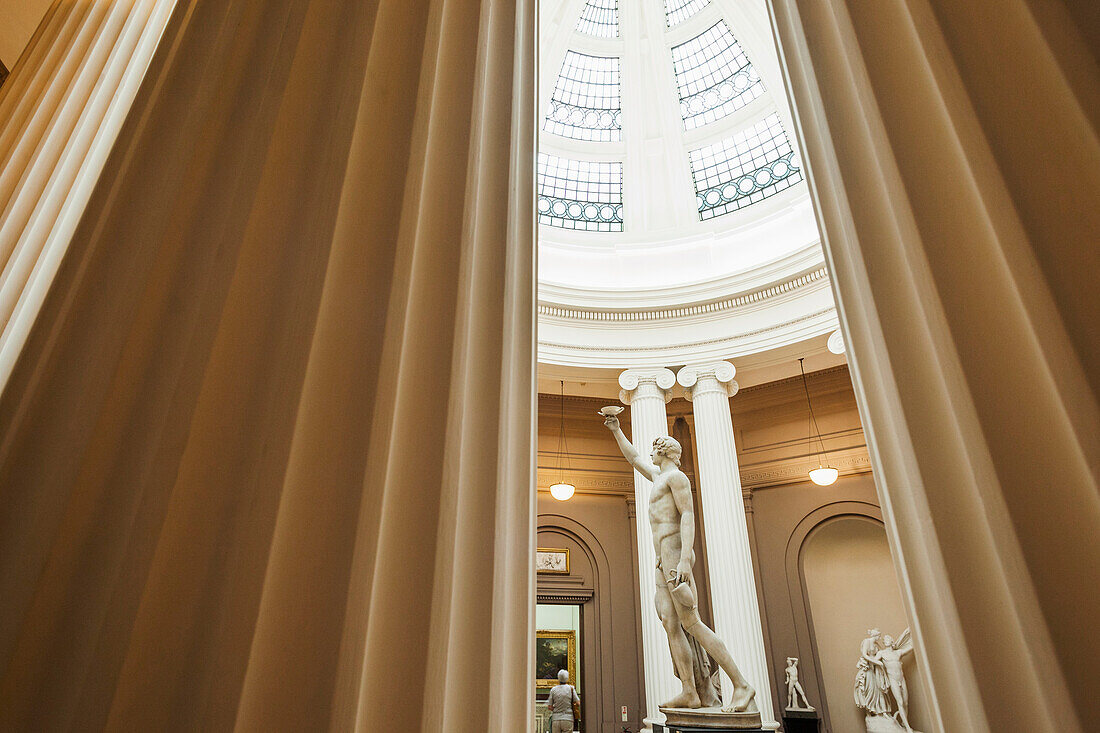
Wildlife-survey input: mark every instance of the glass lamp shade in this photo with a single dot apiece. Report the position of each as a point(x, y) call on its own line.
point(562, 492)
point(822, 476)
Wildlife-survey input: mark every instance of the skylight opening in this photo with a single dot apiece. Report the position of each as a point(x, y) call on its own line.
point(600, 18)
point(713, 76)
point(580, 194)
point(677, 11)
point(744, 169)
point(586, 102)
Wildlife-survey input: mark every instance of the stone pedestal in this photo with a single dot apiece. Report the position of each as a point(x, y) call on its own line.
point(711, 720)
point(801, 721)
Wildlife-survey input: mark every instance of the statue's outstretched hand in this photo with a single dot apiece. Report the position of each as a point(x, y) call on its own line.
point(611, 422)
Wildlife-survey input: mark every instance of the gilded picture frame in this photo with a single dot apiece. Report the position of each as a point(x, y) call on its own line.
point(554, 650)
point(552, 560)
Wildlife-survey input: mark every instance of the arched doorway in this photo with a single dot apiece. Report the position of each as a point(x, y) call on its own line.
point(850, 586)
point(594, 602)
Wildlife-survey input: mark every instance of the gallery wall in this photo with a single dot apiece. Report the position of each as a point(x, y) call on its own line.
point(18, 20)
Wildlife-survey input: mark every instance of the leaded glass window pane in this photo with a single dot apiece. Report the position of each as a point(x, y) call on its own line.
point(586, 103)
point(714, 76)
point(745, 168)
point(677, 11)
point(580, 194)
point(600, 18)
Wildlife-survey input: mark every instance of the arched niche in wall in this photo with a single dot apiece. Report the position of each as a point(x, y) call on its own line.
point(604, 618)
point(842, 582)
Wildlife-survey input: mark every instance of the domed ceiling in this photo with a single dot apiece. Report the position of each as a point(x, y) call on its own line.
point(674, 216)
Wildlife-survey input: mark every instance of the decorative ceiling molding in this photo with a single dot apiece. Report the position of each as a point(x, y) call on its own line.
point(796, 471)
point(686, 348)
point(609, 315)
point(549, 595)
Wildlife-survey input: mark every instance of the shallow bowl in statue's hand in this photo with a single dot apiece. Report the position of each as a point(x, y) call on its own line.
point(610, 410)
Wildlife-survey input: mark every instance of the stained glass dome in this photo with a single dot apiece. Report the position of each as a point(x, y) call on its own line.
point(669, 181)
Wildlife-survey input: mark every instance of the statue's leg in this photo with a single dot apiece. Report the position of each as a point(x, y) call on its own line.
point(900, 697)
point(678, 645)
point(743, 693)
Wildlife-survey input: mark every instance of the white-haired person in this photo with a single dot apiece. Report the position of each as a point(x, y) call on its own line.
point(564, 705)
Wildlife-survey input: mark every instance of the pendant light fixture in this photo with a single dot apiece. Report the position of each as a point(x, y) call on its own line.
point(824, 474)
point(562, 490)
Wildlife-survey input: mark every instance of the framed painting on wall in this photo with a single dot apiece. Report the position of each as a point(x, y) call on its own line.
point(552, 560)
point(554, 650)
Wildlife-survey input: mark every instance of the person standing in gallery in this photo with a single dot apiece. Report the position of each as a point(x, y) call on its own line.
point(564, 705)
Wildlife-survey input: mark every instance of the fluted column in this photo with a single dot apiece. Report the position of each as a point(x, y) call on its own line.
point(62, 110)
point(956, 168)
point(646, 391)
point(729, 555)
point(227, 500)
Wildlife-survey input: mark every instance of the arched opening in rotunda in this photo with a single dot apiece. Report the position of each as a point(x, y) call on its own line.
point(682, 279)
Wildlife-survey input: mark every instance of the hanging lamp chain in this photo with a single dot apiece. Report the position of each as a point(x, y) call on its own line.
point(562, 445)
point(813, 417)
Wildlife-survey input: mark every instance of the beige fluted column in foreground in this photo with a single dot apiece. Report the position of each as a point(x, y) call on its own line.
point(60, 112)
point(266, 457)
point(647, 391)
point(732, 582)
point(953, 152)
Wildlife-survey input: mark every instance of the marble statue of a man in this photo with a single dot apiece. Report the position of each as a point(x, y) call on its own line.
point(794, 687)
point(672, 521)
point(890, 655)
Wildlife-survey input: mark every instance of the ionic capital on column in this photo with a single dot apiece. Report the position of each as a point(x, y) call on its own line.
point(715, 376)
point(646, 382)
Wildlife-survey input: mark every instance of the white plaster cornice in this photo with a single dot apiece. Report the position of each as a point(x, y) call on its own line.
point(789, 285)
point(787, 301)
point(642, 347)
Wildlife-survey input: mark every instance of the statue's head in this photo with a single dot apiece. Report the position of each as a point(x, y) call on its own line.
point(888, 640)
point(791, 660)
point(666, 447)
point(563, 677)
point(874, 633)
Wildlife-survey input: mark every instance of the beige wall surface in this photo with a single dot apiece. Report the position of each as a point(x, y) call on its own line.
point(851, 586)
point(18, 20)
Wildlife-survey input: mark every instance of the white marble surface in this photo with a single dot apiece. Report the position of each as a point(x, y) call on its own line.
point(880, 687)
point(794, 688)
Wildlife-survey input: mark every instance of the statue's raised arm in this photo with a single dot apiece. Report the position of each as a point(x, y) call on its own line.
point(640, 464)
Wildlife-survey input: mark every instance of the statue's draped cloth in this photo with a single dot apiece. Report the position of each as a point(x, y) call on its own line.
point(871, 682)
